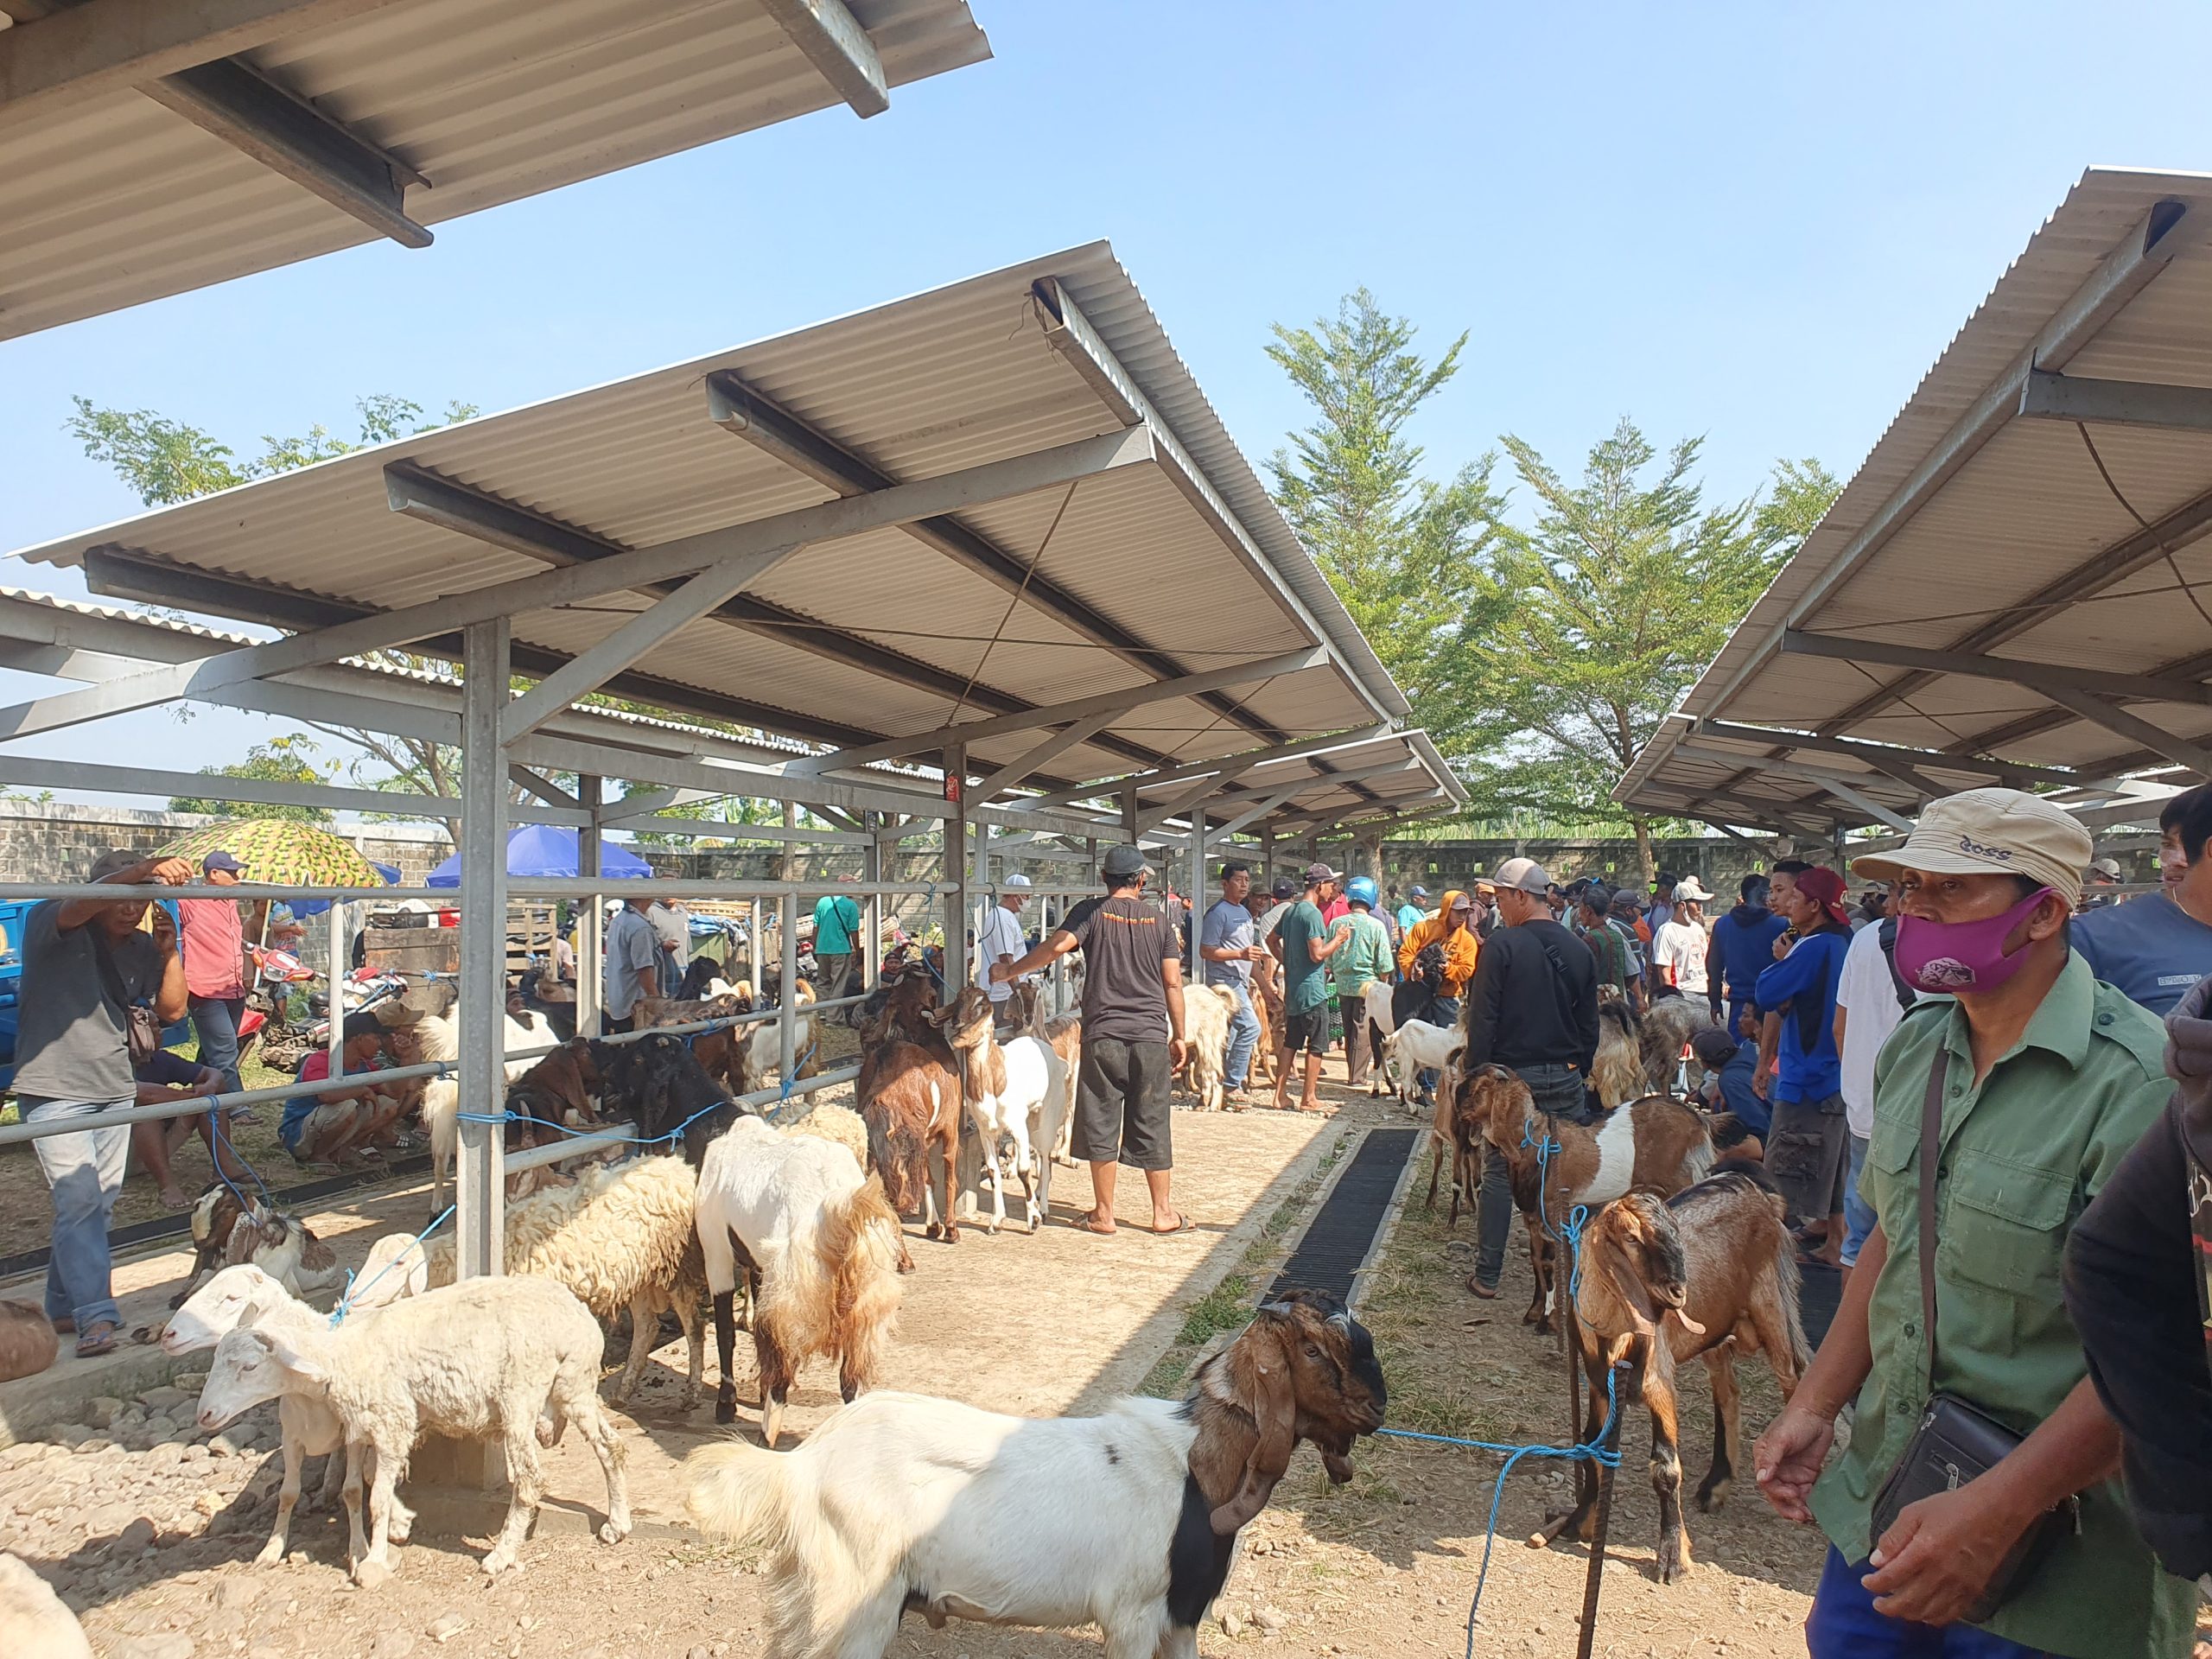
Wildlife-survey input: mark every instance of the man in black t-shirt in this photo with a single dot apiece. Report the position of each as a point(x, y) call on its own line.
point(1132, 1035)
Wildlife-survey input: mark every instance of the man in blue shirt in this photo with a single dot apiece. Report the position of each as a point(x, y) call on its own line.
point(1229, 945)
point(1742, 949)
point(1809, 1151)
point(1414, 911)
point(1730, 1065)
point(2152, 949)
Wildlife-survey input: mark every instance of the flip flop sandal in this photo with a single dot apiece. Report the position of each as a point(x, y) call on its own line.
point(1183, 1224)
point(99, 1339)
point(1086, 1224)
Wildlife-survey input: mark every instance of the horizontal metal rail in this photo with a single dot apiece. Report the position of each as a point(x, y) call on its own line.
point(625, 1135)
point(12, 1133)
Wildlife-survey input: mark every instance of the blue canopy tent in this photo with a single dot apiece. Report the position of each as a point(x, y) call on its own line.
point(549, 849)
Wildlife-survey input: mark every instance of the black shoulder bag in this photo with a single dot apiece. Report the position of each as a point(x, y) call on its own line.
point(1957, 1442)
point(142, 1029)
point(1885, 935)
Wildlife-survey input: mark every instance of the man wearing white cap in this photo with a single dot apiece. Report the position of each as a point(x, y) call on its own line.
point(1678, 946)
point(1998, 1114)
point(1001, 940)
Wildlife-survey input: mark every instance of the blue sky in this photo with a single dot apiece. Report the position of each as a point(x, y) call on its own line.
point(1755, 223)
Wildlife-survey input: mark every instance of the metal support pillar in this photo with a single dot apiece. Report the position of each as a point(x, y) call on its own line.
point(976, 912)
point(1267, 857)
point(591, 929)
point(956, 871)
point(1130, 815)
point(335, 918)
point(787, 1009)
point(478, 1189)
point(1193, 971)
point(872, 909)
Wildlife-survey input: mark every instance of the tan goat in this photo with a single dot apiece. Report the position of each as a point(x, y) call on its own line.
point(1652, 1145)
point(1710, 1274)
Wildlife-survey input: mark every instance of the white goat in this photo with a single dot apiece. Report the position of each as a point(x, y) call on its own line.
point(1017, 1090)
point(619, 1238)
point(1127, 1519)
point(245, 1294)
point(763, 1043)
point(488, 1357)
point(38, 1623)
point(1418, 1046)
point(439, 1035)
point(825, 1243)
point(1379, 996)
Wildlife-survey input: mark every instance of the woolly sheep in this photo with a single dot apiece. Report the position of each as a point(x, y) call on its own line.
point(836, 1124)
point(620, 1237)
point(38, 1623)
point(243, 1294)
point(485, 1359)
point(1207, 1011)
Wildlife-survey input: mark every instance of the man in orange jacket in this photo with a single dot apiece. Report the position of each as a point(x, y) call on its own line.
point(1452, 928)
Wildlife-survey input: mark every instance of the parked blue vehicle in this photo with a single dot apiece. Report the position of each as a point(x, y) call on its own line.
point(12, 917)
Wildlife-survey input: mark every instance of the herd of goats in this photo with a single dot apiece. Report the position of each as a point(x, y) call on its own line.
point(898, 1503)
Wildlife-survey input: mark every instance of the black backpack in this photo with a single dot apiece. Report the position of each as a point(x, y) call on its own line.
point(1886, 932)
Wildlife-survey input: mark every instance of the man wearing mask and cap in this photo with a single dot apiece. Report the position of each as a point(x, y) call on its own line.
point(1001, 940)
point(1132, 1035)
point(1533, 1007)
point(1998, 1114)
point(1414, 911)
point(1808, 1154)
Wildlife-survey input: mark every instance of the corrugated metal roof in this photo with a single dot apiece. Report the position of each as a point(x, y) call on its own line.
point(2011, 553)
point(946, 380)
point(116, 199)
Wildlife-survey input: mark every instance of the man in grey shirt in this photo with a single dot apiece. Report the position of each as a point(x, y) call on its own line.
point(633, 963)
point(1229, 944)
point(85, 964)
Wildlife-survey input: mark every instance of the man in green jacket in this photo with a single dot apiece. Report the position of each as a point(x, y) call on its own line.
point(1365, 957)
point(2046, 1079)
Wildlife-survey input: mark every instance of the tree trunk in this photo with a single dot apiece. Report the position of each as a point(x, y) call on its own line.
point(1643, 826)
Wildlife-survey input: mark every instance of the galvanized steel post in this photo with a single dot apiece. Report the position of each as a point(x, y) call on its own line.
point(335, 919)
point(787, 974)
point(872, 908)
point(592, 925)
point(1195, 969)
point(956, 870)
point(478, 1190)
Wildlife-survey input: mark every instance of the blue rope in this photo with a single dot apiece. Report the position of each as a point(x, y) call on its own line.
point(215, 1128)
point(345, 1302)
point(588, 1131)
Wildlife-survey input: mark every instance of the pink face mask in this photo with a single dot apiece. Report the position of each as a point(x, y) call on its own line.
point(1945, 957)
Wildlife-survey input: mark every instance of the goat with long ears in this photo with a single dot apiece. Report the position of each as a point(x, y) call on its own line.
point(1126, 1520)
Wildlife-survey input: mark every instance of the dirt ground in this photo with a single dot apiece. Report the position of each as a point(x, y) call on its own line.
point(154, 1545)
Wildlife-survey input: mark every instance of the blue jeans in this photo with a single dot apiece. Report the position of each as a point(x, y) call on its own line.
point(1857, 1214)
point(216, 1020)
point(1557, 1090)
point(1243, 1038)
point(1843, 1624)
point(85, 1172)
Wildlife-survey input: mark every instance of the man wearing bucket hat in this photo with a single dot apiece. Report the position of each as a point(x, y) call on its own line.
point(1998, 1114)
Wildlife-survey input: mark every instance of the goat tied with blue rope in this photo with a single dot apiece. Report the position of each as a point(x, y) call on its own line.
point(1710, 1274)
point(229, 1227)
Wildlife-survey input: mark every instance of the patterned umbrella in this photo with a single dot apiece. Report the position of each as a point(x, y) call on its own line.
point(282, 852)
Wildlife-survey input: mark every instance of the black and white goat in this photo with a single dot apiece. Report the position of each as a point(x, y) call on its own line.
point(1127, 1520)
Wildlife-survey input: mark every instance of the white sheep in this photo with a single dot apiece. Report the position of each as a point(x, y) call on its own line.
point(619, 1238)
point(245, 1294)
point(1126, 1520)
point(825, 1243)
point(488, 1357)
point(1418, 1046)
point(37, 1622)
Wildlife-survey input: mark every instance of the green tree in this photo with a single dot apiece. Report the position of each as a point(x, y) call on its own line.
point(1407, 555)
point(292, 759)
point(1620, 595)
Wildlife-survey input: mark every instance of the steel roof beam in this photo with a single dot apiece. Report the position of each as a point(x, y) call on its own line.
point(764, 541)
point(2100, 711)
point(2015, 773)
point(1187, 802)
point(2039, 677)
point(439, 500)
point(2147, 248)
point(2049, 397)
point(1844, 789)
point(835, 43)
point(1068, 737)
point(1166, 775)
point(1135, 696)
point(290, 136)
point(743, 412)
point(80, 52)
point(1258, 810)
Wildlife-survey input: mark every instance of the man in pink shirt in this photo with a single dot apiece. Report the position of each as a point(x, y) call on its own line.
point(212, 934)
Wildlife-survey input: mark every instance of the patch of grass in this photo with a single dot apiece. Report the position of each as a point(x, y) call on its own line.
point(1229, 1304)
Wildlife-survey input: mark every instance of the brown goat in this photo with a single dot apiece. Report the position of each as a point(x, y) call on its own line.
point(1617, 1073)
point(1710, 1274)
point(1458, 1128)
point(28, 1344)
point(1652, 1145)
point(722, 1052)
point(1663, 1032)
point(1065, 1033)
point(910, 1099)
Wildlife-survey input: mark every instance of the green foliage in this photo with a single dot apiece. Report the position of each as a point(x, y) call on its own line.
point(1407, 555)
point(1622, 594)
point(292, 759)
point(167, 462)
